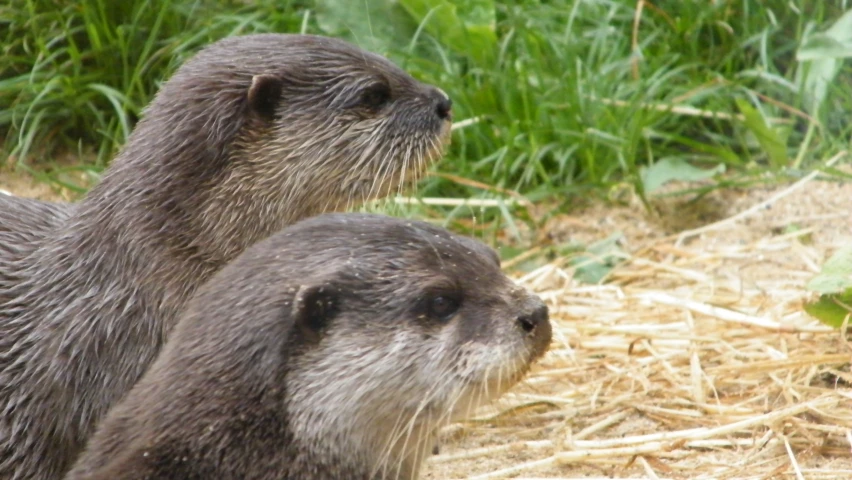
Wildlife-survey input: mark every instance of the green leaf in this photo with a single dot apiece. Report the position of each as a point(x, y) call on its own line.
point(599, 260)
point(828, 283)
point(818, 55)
point(840, 262)
point(835, 276)
point(374, 25)
point(771, 142)
point(466, 27)
point(671, 169)
point(834, 282)
point(821, 45)
point(831, 309)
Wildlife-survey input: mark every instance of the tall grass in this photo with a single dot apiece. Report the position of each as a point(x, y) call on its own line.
point(571, 95)
point(76, 75)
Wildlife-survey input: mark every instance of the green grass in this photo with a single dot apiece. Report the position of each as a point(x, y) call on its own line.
point(74, 76)
point(562, 88)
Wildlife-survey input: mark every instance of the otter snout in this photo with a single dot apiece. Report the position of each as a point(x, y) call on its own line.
point(443, 104)
point(535, 322)
point(534, 319)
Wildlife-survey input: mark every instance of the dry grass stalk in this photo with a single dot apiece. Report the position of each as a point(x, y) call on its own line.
point(694, 362)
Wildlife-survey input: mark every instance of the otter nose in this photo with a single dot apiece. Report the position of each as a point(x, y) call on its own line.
point(443, 105)
point(529, 321)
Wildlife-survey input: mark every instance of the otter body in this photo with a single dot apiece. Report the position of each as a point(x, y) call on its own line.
point(24, 224)
point(334, 349)
point(250, 135)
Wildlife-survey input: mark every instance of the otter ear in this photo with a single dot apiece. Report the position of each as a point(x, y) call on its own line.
point(313, 308)
point(264, 95)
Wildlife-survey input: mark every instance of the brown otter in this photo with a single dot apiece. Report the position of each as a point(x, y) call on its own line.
point(333, 349)
point(24, 224)
point(250, 135)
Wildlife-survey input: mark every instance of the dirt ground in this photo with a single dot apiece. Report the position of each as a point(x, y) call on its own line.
point(694, 359)
point(24, 185)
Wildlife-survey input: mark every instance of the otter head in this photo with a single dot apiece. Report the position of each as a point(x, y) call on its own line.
point(403, 327)
point(256, 132)
point(338, 126)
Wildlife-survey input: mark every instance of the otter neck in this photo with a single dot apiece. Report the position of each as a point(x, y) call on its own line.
point(165, 198)
point(378, 445)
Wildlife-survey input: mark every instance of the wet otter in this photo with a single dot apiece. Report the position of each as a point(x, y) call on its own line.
point(250, 135)
point(333, 349)
point(24, 224)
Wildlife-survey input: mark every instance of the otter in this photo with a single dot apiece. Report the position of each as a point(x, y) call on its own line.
point(333, 349)
point(251, 134)
point(24, 224)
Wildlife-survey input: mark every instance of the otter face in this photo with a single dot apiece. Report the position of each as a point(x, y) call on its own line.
point(335, 115)
point(417, 327)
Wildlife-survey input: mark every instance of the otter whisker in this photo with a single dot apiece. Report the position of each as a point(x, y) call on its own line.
point(384, 165)
point(400, 174)
point(406, 429)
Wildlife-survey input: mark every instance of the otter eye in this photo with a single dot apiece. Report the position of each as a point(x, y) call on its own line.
point(443, 307)
point(375, 96)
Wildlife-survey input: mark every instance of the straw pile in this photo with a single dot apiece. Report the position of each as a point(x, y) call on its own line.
point(694, 360)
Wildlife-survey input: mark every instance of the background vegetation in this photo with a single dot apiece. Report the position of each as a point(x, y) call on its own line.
point(571, 96)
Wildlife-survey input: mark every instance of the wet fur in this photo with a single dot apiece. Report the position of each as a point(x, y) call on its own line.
point(24, 224)
point(92, 292)
point(311, 357)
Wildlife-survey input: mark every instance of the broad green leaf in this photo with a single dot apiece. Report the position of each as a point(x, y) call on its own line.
point(508, 252)
point(831, 309)
point(834, 282)
point(840, 262)
point(769, 139)
point(674, 169)
point(821, 46)
point(599, 260)
point(842, 28)
point(835, 276)
point(374, 25)
point(466, 27)
point(826, 283)
point(818, 55)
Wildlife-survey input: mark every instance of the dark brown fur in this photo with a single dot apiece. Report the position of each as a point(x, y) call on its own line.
point(24, 224)
point(250, 135)
point(332, 350)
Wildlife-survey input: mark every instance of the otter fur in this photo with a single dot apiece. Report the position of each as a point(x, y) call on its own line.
point(24, 224)
point(250, 135)
point(334, 349)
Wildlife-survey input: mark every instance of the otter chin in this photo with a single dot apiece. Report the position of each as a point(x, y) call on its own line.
point(251, 134)
point(334, 349)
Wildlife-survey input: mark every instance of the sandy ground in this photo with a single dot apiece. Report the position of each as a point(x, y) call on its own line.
point(693, 361)
point(24, 185)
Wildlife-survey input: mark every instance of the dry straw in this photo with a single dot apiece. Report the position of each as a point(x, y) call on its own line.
point(695, 360)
